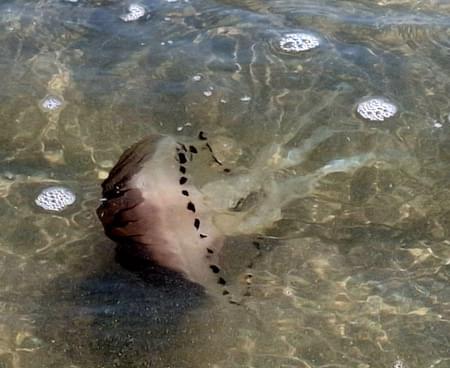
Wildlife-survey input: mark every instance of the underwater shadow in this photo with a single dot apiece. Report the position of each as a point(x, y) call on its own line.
point(115, 316)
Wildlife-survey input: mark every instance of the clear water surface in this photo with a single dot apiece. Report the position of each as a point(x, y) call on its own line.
point(354, 274)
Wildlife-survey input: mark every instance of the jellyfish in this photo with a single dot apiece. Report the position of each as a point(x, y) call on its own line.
point(153, 209)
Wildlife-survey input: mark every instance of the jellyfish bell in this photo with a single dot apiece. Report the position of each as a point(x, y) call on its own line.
point(152, 210)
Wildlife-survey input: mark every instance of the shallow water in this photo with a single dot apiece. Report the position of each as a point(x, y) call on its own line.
point(355, 274)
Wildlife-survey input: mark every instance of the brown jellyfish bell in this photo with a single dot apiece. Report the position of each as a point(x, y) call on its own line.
point(152, 208)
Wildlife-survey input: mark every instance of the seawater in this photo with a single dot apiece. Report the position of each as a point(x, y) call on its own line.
point(355, 274)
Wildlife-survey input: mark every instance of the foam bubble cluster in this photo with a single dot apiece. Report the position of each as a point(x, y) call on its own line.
point(376, 109)
point(399, 364)
point(134, 12)
point(298, 42)
point(51, 103)
point(55, 198)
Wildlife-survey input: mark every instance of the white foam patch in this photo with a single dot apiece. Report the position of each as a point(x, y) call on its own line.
point(51, 103)
point(134, 12)
point(399, 364)
point(376, 109)
point(298, 42)
point(55, 198)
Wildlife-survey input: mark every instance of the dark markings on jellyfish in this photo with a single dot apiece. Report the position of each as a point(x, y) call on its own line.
point(225, 292)
point(119, 215)
point(210, 251)
point(197, 223)
point(203, 236)
point(214, 268)
point(181, 147)
point(182, 158)
point(192, 149)
point(238, 206)
point(191, 207)
point(259, 253)
point(182, 170)
point(202, 136)
point(183, 180)
point(185, 193)
point(212, 155)
point(221, 281)
point(128, 165)
point(226, 170)
point(117, 191)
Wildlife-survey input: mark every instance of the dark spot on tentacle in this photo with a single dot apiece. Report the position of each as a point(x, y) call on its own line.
point(203, 236)
point(191, 207)
point(226, 170)
point(182, 170)
point(237, 207)
point(182, 158)
point(214, 268)
point(221, 281)
point(197, 223)
point(192, 149)
point(212, 155)
point(181, 147)
point(225, 292)
point(183, 180)
point(257, 245)
point(185, 193)
point(210, 251)
point(202, 136)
